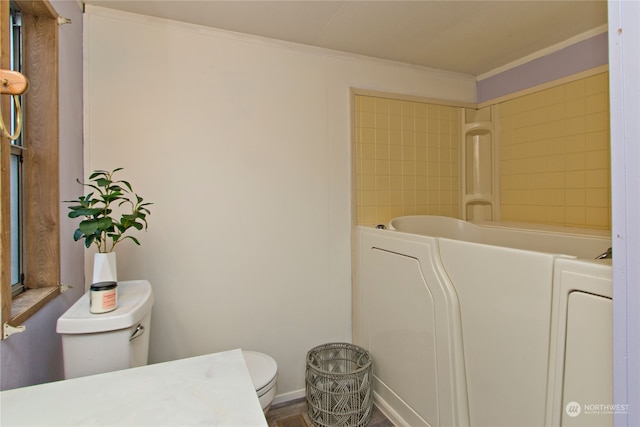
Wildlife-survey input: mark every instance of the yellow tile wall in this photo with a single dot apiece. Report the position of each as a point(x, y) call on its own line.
point(406, 159)
point(555, 156)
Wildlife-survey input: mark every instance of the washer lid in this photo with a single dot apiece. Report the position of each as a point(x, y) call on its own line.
point(135, 299)
point(262, 368)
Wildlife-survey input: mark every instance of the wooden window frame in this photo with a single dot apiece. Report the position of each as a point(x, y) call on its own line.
point(41, 178)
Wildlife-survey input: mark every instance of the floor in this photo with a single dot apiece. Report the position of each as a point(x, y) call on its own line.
point(294, 414)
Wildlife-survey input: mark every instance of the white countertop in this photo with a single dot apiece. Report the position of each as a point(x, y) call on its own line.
point(211, 390)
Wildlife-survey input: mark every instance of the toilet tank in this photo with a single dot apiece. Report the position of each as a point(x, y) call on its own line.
point(119, 339)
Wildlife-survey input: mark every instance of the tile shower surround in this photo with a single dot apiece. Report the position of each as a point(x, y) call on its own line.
point(554, 157)
point(406, 159)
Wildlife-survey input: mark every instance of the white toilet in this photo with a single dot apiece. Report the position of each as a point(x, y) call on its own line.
point(264, 373)
point(99, 343)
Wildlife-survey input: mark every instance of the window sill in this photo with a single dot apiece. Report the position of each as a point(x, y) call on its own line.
point(29, 302)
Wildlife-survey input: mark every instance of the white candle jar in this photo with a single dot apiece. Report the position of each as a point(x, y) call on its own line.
point(103, 297)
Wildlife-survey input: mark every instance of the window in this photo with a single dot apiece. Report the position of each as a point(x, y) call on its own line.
point(17, 235)
point(30, 250)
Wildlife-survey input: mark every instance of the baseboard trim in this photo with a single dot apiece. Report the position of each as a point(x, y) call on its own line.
point(297, 396)
point(388, 411)
point(289, 397)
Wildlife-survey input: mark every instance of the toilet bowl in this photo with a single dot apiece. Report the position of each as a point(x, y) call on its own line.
point(264, 372)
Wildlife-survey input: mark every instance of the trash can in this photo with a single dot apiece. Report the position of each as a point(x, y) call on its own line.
point(338, 385)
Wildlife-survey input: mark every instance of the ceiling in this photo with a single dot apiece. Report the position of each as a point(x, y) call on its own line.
point(472, 37)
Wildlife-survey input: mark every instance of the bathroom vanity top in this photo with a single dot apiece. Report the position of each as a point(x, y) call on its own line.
point(213, 390)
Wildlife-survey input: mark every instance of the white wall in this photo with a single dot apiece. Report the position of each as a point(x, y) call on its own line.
point(35, 356)
point(624, 65)
point(243, 145)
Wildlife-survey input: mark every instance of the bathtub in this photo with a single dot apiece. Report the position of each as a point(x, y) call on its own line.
point(485, 324)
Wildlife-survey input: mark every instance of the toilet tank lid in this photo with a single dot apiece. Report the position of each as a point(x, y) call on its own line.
point(135, 300)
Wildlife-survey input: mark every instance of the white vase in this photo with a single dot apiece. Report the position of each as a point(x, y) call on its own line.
point(104, 267)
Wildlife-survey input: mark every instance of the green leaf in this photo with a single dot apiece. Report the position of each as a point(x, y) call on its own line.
point(88, 241)
point(83, 211)
point(98, 173)
point(103, 182)
point(105, 223)
point(133, 238)
point(127, 184)
point(89, 227)
point(94, 226)
point(110, 197)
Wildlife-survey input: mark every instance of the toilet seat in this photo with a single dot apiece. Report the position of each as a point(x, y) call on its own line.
point(263, 370)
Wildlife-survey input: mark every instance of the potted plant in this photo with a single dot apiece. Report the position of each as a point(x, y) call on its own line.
point(101, 225)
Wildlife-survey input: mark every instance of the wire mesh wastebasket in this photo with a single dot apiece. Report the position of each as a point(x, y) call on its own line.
point(338, 385)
